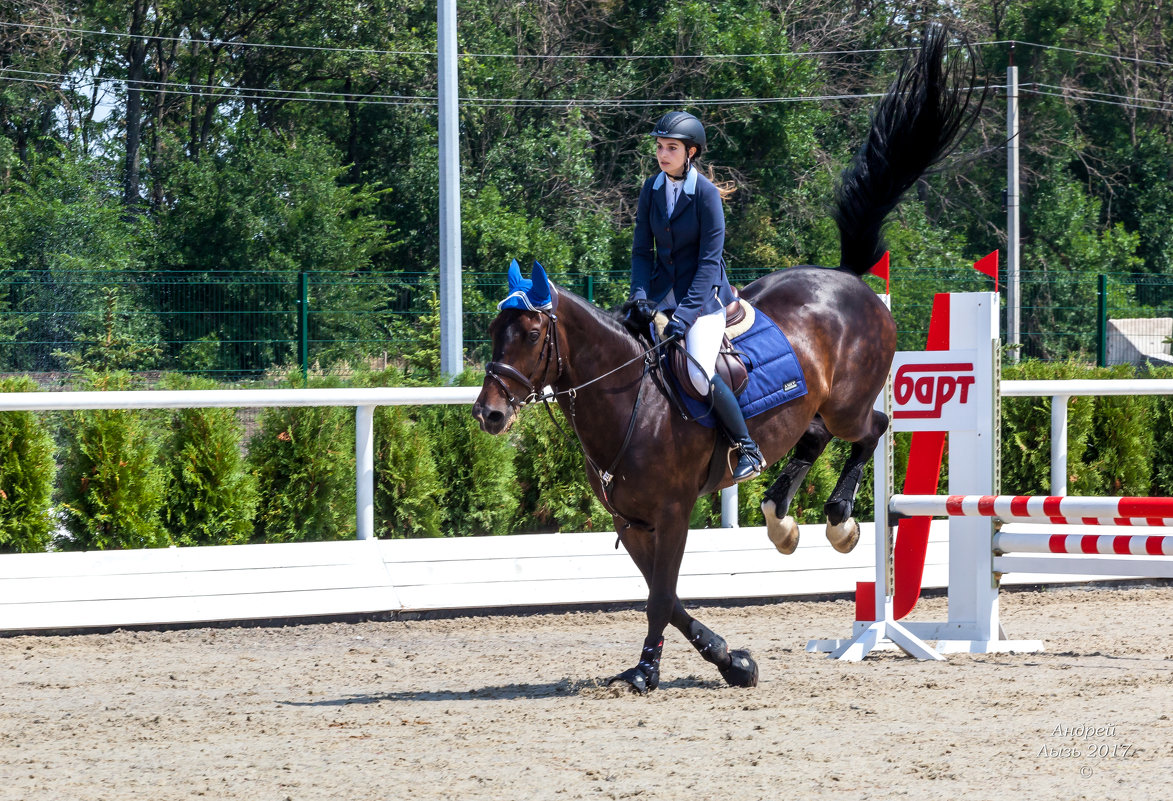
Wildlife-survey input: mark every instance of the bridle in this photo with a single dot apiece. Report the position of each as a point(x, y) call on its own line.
point(551, 350)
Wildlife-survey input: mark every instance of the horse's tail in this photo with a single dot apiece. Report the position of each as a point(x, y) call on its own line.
point(916, 124)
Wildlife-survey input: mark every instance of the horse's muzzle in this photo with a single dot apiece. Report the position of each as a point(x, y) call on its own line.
point(492, 421)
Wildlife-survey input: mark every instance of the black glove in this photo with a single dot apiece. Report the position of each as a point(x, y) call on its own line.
point(674, 330)
point(639, 312)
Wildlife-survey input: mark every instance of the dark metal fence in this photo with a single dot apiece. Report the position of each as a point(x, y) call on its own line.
point(256, 327)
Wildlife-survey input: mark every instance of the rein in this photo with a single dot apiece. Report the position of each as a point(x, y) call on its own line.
point(499, 372)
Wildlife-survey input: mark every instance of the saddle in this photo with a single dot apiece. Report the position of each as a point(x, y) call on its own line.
point(739, 318)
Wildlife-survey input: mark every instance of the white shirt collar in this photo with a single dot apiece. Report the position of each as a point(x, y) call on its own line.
point(689, 181)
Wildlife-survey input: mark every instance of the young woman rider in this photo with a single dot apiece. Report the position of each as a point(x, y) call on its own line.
point(678, 266)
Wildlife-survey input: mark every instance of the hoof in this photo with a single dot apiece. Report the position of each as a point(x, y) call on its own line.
point(638, 681)
point(742, 670)
point(783, 533)
point(845, 536)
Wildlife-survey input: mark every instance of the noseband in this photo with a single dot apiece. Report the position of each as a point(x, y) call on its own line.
point(551, 351)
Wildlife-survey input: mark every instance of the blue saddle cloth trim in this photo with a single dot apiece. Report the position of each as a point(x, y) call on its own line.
point(775, 376)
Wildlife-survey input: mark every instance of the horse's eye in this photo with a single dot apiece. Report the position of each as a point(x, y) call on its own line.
point(533, 336)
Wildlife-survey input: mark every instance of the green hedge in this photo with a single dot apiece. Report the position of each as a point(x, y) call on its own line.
point(111, 490)
point(141, 479)
point(211, 495)
point(26, 476)
point(303, 460)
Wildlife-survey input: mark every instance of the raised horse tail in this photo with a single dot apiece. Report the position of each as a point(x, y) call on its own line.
point(926, 110)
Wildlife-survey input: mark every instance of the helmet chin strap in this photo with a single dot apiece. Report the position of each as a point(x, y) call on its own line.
point(687, 167)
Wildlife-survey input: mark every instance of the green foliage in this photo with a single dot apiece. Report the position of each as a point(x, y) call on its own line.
point(211, 495)
point(551, 475)
point(408, 485)
point(478, 469)
point(112, 485)
point(1161, 423)
point(303, 460)
point(1110, 440)
point(26, 476)
point(272, 203)
point(59, 222)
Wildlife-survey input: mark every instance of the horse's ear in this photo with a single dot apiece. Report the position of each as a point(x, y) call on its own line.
point(516, 282)
point(540, 294)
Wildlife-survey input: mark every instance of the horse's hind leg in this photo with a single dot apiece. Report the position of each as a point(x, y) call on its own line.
point(783, 531)
point(842, 530)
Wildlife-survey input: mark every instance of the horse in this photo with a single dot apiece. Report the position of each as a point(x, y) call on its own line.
point(647, 463)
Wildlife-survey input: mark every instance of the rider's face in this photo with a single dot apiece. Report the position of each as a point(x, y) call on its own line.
point(670, 155)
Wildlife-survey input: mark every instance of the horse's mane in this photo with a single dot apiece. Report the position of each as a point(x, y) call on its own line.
point(612, 321)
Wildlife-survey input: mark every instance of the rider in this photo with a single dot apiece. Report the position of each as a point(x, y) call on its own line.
point(677, 266)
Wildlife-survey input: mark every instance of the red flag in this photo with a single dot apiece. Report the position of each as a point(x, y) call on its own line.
point(880, 269)
point(988, 265)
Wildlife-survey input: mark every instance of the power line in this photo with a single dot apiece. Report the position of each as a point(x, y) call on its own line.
point(1076, 89)
point(215, 42)
point(567, 56)
point(1130, 59)
point(253, 93)
point(1156, 105)
point(527, 56)
point(143, 84)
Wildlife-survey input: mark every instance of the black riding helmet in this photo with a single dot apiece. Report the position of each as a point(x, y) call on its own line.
point(683, 126)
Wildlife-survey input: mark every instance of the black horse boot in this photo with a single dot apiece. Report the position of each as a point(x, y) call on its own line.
point(750, 461)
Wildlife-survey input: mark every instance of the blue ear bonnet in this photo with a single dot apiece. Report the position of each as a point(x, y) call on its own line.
point(528, 294)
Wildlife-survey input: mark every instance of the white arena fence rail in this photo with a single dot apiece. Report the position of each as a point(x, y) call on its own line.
point(364, 400)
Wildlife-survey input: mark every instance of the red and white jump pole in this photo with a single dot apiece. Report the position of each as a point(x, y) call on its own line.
point(1062, 510)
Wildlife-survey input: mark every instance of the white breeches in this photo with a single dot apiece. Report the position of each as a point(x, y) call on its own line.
point(703, 343)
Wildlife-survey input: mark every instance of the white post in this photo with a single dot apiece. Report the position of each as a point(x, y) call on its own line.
point(1013, 298)
point(451, 304)
point(729, 507)
point(1059, 445)
point(364, 463)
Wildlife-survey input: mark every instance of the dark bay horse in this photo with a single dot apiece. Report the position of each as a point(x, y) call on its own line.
point(644, 461)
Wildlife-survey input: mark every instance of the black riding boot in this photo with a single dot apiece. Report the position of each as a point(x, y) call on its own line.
point(749, 459)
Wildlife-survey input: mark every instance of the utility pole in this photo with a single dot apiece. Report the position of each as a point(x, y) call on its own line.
point(451, 306)
point(1013, 298)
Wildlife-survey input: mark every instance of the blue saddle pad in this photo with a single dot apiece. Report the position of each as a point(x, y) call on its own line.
point(775, 376)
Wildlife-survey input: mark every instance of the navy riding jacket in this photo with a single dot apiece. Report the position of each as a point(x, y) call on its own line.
point(679, 261)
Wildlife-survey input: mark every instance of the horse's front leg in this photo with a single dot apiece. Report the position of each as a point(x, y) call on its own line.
point(657, 554)
point(738, 668)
